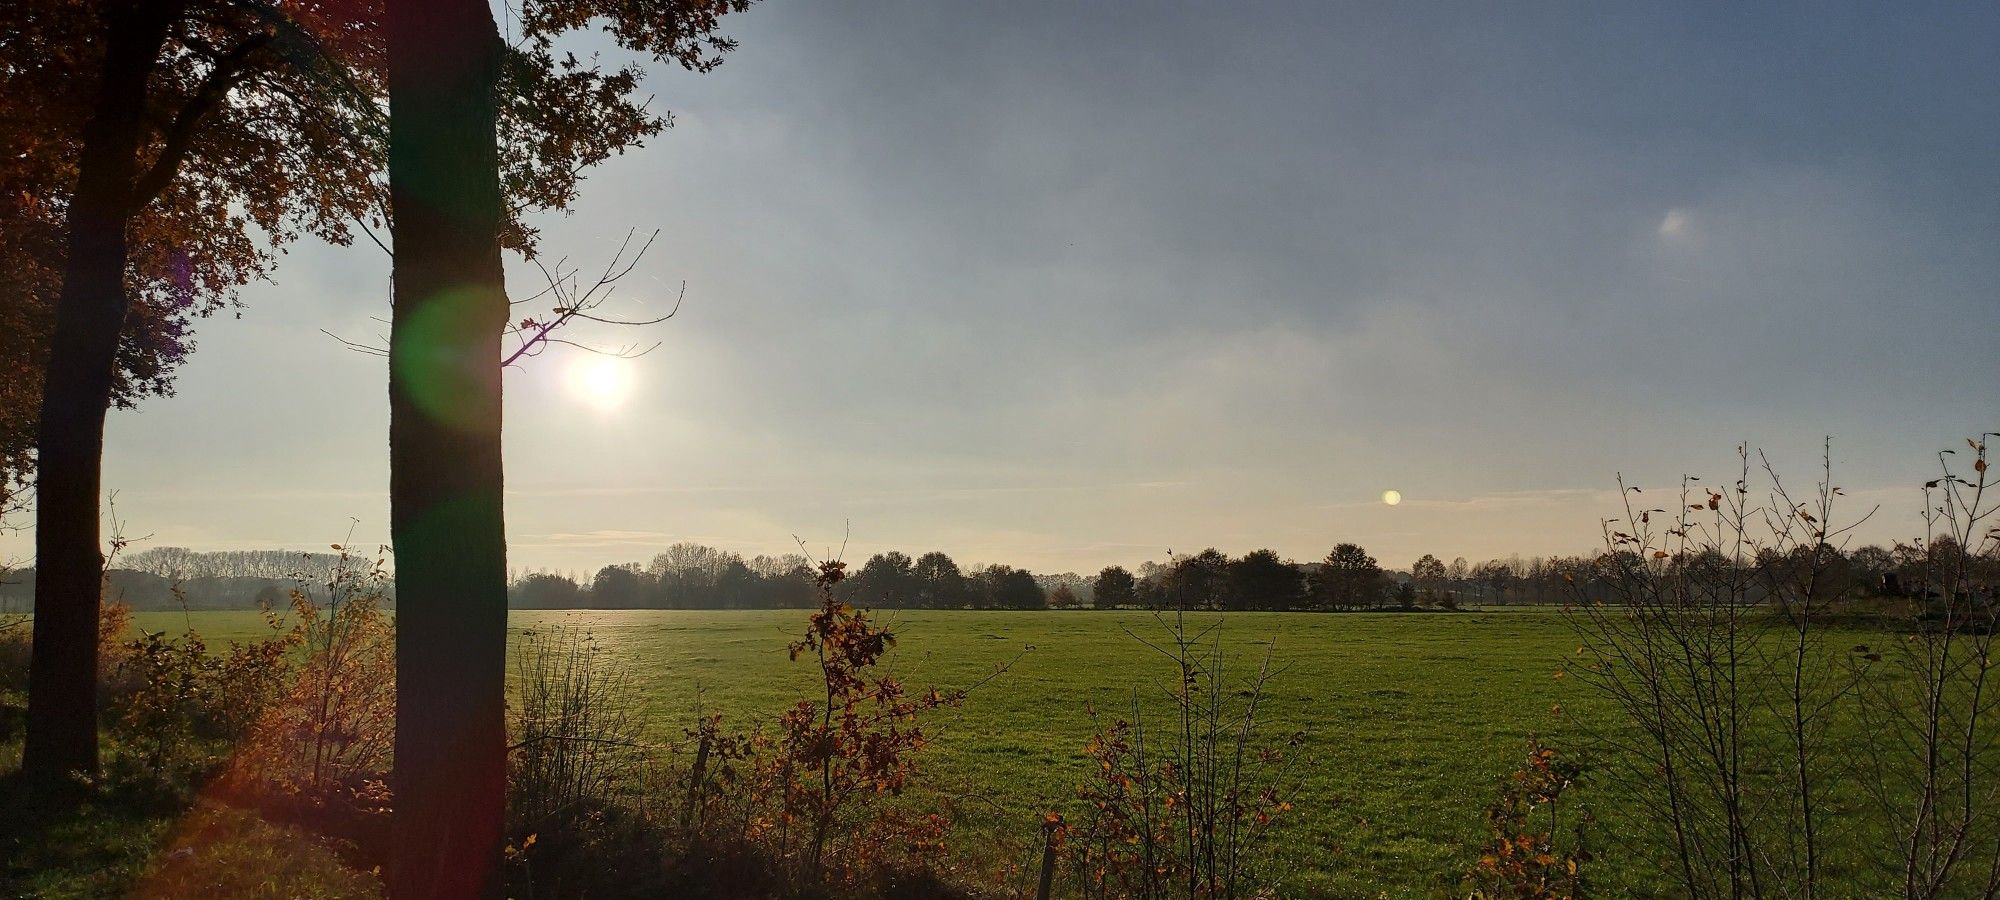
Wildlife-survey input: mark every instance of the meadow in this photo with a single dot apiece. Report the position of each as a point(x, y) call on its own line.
point(1410, 720)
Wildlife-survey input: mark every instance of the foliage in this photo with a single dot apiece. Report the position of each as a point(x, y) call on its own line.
point(1348, 579)
point(1933, 709)
point(322, 748)
point(1531, 858)
point(1261, 579)
point(1720, 643)
point(1719, 687)
point(575, 755)
point(575, 731)
point(1114, 588)
point(1429, 575)
point(831, 761)
point(113, 621)
point(1176, 815)
point(176, 705)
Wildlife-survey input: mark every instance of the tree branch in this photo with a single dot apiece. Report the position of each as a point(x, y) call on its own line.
point(228, 72)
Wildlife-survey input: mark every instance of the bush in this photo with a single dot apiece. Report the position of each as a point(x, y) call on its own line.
point(1532, 854)
point(175, 708)
point(800, 810)
point(320, 750)
point(1175, 815)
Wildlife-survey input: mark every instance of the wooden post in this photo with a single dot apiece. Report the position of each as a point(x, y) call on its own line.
point(1052, 827)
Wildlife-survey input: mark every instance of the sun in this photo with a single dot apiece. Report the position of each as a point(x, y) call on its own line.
point(603, 383)
point(1392, 497)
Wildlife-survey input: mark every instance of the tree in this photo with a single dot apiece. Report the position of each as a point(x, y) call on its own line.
point(1262, 580)
point(1494, 576)
point(1869, 564)
point(1200, 581)
point(1063, 598)
point(1349, 578)
point(690, 575)
point(161, 132)
point(783, 582)
point(617, 587)
point(1005, 587)
point(449, 307)
point(174, 115)
point(1114, 588)
point(1429, 575)
point(939, 583)
point(544, 590)
point(886, 580)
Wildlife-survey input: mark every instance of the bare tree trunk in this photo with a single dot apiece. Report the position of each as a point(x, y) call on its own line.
point(76, 393)
point(444, 449)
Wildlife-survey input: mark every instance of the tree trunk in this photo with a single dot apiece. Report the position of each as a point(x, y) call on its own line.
point(445, 473)
point(76, 393)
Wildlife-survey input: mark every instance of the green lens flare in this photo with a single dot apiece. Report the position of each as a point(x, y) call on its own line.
point(441, 366)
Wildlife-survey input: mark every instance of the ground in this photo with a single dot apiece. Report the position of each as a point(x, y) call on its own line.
point(1411, 721)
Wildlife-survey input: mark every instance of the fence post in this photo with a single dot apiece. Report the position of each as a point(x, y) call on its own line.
point(1052, 826)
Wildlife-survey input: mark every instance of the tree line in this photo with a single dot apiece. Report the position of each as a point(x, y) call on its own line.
point(695, 576)
point(1348, 578)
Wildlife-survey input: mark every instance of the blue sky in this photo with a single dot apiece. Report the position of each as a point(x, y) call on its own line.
point(1065, 285)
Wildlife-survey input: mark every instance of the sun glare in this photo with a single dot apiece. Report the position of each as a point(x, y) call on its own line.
point(603, 383)
point(1392, 497)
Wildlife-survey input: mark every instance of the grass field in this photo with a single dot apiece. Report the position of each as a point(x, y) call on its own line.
point(1411, 720)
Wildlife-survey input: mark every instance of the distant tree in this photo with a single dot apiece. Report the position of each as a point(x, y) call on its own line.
point(1063, 598)
point(1406, 595)
point(1005, 587)
point(1114, 588)
point(617, 587)
point(1494, 577)
point(887, 580)
point(1349, 579)
point(1869, 564)
point(782, 588)
point(939, 583)
point(690, 575)
point(543, 590)
point(1262, 580)
point(776, 566)
point(1429, 576)
point(1200, 581)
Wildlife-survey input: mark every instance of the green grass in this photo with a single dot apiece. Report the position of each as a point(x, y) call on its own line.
point(1411, 720)
point(117, 842)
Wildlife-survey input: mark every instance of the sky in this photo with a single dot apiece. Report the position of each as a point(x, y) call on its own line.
point(1066, 285)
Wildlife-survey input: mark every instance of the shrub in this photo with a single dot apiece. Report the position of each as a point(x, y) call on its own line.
point(1175, 815)
point(322, 747)
point(1718, 637)
point(822, 774)
point(576, 809)
point(1531, 853)
point(176, 707)
point(801, 809)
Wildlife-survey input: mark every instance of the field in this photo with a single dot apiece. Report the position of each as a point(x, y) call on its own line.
point(1411, 720)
